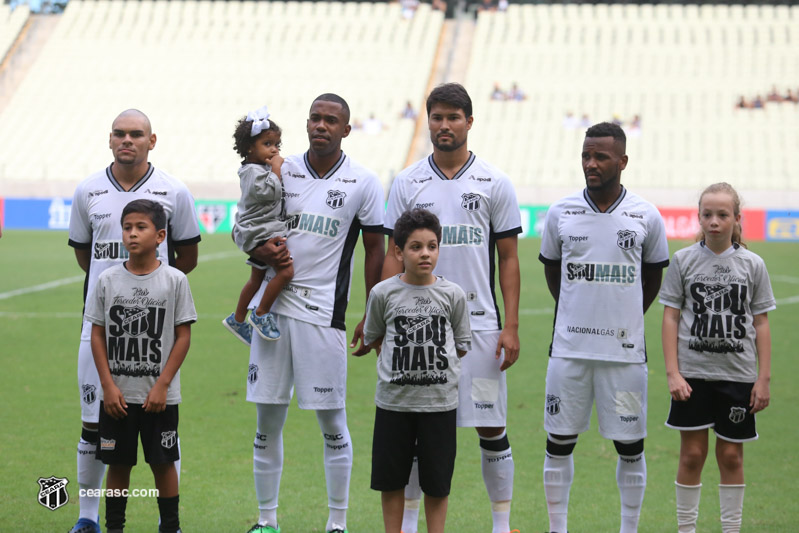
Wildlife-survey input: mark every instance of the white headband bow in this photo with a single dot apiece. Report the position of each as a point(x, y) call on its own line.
point(259, 119)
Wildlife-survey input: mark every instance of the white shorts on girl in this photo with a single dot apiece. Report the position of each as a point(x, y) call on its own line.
point(618, 388)
point(310, 358)
point(482, 390)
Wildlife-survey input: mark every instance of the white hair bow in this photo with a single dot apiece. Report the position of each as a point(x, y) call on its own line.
point(260, 120)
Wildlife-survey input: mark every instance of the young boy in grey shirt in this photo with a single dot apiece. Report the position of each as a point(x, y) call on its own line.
point(141, 313)
point(419, 323)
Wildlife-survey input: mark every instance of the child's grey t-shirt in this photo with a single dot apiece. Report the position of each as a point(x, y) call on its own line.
point(422, 327)
point(718, 296)
point(139, 314)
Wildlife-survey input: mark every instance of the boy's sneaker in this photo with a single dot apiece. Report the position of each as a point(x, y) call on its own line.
point(258, 528)
point(265, 326)
point(84, 525)
point(242, 330)
point(337, 530)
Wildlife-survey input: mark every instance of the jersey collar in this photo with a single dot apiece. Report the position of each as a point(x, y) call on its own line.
point(330, 172)
point(136, 186)
point(613, 206)
point(458, 174)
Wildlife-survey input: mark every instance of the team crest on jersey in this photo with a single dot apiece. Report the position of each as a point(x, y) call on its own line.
point(135, 321)
point(420, 329)
point(335, 199)
point(89, 393)
point(737, 414)
point(553, 404)
point(718, 298)
point(168, 439)
point(470, 201)
point(252, 374)
point(53, 492)
point(625, 239)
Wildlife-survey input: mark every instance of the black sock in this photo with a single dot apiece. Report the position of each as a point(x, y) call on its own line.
point(170, 519)
point(115, 512)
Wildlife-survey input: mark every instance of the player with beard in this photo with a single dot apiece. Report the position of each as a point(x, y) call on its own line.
point(604, 250)
point(479, 214)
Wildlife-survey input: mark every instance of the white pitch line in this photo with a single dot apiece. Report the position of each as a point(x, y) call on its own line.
point(40, 287)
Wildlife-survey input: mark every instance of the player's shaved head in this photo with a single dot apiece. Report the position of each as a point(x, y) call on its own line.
point(331, 97)
point(608, 129)
point(134, 113)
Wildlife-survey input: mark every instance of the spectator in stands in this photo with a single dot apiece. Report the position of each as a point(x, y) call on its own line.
point(634, 129)
point(570, 122)
point(408, 8)
point(502, 5)
point(585, 121)
point(487, 5)
point(742, 103)
point(372, 125)
point(791, 97)
point(515, 93)
point(774, 95)
point(498, 93)
point(758, 103)
point(409, 111)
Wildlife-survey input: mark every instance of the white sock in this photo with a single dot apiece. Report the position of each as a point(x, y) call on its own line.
point(413, 499)
point(267, 460)
point(631, 479)
point(177, 463)
point(497, 467)
point(731, 502)
point(558, 477)
point(338, 464)
point(90, 476)
point(687, 507)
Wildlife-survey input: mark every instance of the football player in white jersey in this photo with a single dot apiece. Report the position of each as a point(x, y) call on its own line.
point(604, 250)
point(330, 200)
point(480, 218)
point(96, 235)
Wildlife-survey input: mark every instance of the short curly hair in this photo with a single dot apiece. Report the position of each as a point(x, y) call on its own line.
point(414, 219)
point(243, 141)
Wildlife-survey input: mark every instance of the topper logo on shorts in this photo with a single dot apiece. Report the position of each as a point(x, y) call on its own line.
point(89, 393)
point(553, 404)
point(625, 239)
point(483, 406)
point(335, 199)
point(168, 439)
point(323, 390)
point(252, 374)
point(470, 201)
point(53, 492)
point(628, 418)
point(737, 414)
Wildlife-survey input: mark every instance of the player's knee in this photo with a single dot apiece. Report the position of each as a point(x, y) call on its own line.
point(692, 457)
point(495, 444)
point(624, 447)
point(561, 445)
point(730, 457)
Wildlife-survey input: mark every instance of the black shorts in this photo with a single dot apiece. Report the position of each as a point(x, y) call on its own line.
point(721, 405)
point(400, 435)
point(119, 438)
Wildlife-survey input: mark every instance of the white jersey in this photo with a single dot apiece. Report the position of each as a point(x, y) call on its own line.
point(476, 208)
point(718, 297)
point(599, 313)
point(97, 207)
point(325, 215)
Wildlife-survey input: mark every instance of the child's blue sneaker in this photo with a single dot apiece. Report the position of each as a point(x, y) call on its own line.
point(265, 326)
point(242, 330)
point(84, 525)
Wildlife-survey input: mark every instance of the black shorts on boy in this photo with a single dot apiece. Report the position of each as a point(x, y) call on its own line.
point(119, 438)
point(399, 435)
point(721, 405)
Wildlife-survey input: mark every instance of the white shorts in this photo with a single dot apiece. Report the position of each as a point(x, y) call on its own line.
point(619, 390)
point(482, 390)
point(88, 380)
point(309, 357)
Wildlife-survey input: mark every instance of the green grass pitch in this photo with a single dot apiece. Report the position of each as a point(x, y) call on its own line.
point(40, 303)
